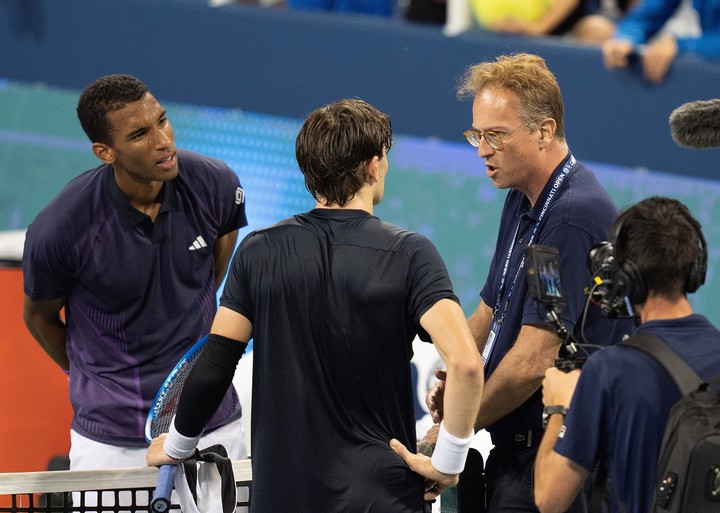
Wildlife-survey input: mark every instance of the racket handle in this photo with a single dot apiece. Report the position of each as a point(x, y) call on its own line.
point(163, 490)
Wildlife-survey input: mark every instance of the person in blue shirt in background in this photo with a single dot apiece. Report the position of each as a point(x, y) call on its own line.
point(384, 8)
point(645, 20)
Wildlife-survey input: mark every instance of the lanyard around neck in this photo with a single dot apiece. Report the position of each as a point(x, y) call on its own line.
point(498, 317)
point(559, 181)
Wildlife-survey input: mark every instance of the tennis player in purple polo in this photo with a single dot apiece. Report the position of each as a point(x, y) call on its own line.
point(134, 251)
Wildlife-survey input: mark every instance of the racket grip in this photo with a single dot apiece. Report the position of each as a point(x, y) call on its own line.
point(163, 490)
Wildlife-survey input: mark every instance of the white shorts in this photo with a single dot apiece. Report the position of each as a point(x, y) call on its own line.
point(86, 454)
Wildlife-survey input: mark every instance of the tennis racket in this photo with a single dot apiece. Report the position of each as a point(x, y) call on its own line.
point(160, 418)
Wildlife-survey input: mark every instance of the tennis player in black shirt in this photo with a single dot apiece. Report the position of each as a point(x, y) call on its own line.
point(333, 299)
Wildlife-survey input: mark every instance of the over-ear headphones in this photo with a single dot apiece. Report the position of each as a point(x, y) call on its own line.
point(698, 271)
point(627, 280)
point(625, 276)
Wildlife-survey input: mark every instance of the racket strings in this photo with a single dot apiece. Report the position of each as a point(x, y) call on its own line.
point(166, 404)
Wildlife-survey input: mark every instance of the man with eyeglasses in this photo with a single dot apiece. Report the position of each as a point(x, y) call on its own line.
point(553, 200)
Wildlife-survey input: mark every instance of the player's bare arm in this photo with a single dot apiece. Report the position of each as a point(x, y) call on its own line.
point(43, 320)
point(446, 325)
point(231, 324)
point(448, 328)
point(517, 376)
point(222, 251)
point(479, 324)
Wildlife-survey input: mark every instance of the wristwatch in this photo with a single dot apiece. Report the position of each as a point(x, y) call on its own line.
point(552, 410)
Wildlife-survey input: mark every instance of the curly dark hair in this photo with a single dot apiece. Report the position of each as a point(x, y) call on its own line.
point(106, 94)
point(334, 144)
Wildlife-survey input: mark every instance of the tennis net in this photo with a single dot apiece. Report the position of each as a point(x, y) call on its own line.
point(109, 490)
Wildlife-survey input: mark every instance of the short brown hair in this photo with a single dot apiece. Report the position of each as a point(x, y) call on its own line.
point(334, 144)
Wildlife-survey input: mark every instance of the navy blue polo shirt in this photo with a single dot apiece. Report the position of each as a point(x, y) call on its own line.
point(139, 293)
point(578, 216)
point(621, 404)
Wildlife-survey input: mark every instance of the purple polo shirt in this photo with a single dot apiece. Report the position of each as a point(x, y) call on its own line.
point(139, 293)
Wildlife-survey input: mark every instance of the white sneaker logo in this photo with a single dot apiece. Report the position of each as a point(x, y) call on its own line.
point(199, 243)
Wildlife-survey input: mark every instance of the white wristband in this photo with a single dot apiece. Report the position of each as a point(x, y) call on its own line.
point(450, 452)
point(179, 446)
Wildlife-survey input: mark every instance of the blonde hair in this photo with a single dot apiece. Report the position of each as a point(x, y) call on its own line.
point(527, 76)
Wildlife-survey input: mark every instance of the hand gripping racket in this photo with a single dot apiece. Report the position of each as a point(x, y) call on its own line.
point(160, 418)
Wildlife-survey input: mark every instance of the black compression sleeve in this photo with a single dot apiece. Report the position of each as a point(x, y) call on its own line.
point(207, 383)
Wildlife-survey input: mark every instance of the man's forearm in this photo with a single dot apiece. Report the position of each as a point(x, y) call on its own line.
point(479, 324)
point(518, 375)
point(546, 498)
point(52, 338)
point(504, 392)
point(43, 320)
point(222, 253)
point(557, 479)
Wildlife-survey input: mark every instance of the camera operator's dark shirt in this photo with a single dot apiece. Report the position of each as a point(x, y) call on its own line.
point(621, 405)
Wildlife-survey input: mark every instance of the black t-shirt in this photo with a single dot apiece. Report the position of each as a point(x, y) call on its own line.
point(335, 298)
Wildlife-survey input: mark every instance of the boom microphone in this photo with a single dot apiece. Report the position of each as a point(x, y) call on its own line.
point(696, 124)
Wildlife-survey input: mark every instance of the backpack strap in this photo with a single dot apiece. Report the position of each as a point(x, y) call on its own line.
point(684, 377)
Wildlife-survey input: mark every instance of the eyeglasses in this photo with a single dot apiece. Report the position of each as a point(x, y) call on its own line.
point(494, 139)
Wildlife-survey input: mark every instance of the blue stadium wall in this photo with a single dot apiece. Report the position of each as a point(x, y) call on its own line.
point(282, 62)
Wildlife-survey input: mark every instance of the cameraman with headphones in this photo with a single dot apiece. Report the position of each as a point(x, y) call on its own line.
point(622, 398)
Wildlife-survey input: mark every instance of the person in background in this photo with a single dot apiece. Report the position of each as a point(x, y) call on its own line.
point(638, 34)
point(333, 299)
point(616, 409)
point(427, 11)
point(383, 8)
point(134, 251)
point(579, 19)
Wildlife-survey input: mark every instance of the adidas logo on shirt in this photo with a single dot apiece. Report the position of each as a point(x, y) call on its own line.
point(198, 243)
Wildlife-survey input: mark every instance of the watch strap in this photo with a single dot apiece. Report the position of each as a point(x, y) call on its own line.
point(552, 410)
